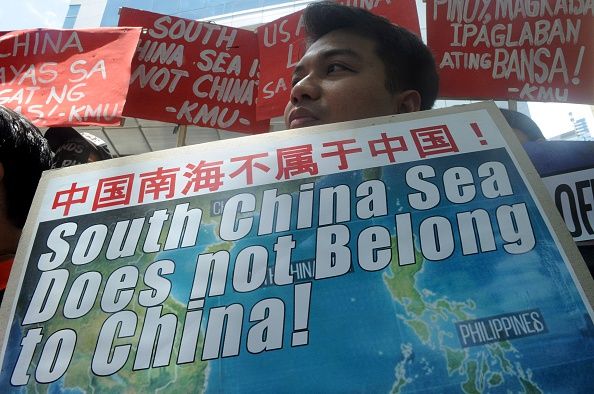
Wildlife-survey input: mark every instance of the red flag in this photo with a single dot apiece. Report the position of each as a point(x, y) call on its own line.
point(193, 73)
point(67, 77)
point(528, 52)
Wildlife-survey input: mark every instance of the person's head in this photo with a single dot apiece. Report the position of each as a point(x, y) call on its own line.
point(525, 128)
point(358, 65)
point(71, 147)
point(24, 155)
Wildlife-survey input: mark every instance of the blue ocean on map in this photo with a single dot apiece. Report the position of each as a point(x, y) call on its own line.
point(363, 339)
point(390, 330)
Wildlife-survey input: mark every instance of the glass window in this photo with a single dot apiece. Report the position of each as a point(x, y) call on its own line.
point(241, 5)
point(191, 9)
point(169, 7)
point(191, 5)
point(71, 16)
point(272, 2)
point(111, 15)
point(140, 4)
point(213, 10)
point(73, 10)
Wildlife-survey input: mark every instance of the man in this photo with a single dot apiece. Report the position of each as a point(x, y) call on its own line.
point(358, 65)
point(24, 155)
point(71, 147)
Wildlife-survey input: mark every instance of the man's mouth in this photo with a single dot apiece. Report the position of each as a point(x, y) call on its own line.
point(301, 117)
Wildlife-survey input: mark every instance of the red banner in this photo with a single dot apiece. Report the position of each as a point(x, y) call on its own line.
point(512, 49)
point(193, 73)
point(67, 77)
point(281, 46)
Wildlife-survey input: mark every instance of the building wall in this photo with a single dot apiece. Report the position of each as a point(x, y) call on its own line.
point(237, 13)
point(89, 14)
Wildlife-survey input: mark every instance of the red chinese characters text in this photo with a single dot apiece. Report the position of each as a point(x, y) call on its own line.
point(433, 140)
point(113, 191)
point(74, 195)
point(387, 146)
point(158, 182)
point(295, 160)
point(204, 176)
point(341, 152)
point(248, 166)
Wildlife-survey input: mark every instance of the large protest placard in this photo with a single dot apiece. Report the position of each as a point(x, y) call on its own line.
point(67, 77)
point(570, 181)
point(281, 44)
point(193, 73)
point(528, 50)
point(387, 255)
point(573, 195)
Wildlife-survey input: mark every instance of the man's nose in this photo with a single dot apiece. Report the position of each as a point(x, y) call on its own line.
point(308, 88)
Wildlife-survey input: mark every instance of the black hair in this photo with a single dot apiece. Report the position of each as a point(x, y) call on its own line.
point(408, 62)
point(24, 154)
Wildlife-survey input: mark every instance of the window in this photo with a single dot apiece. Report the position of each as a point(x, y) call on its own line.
point(71, 16)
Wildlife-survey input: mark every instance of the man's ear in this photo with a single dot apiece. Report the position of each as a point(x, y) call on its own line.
point(407, 101)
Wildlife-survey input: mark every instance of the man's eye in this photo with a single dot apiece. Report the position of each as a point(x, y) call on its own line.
point(336, 67)
point(295, 80)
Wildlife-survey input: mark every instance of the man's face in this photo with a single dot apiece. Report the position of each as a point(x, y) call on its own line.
point(339, 78)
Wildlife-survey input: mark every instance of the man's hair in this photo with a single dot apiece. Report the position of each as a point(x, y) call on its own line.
point(409, 64)
point(522, 122)
point(24, 154)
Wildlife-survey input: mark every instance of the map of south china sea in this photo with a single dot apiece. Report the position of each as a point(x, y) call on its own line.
point(503, 317)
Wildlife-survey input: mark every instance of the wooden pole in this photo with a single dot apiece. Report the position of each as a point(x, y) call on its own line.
point(181, 135)
point(512, 105)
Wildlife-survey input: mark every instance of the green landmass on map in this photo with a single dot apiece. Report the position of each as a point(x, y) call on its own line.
point(426, 314)
point(481, 369)
point(180, 378)
point(190, 377)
